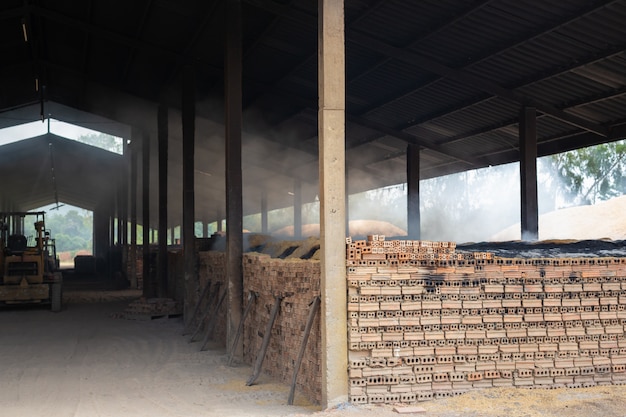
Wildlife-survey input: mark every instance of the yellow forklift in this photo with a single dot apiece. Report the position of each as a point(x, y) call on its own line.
point(29, 266)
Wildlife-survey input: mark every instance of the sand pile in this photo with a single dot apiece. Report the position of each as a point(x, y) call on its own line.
point(604, 220)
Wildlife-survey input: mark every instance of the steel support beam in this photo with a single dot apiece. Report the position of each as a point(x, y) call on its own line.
point(413, 194)
point(528, 174)
point(162, 131)
point(264, 222)
point(297, 209)
point(148, 283)
point(133, 209)
point(332, 162)
point(187, 230)
point(234, 180)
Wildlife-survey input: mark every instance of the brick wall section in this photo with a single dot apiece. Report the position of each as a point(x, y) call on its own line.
point(425, 321)
point(211, 267)
point(299, 282)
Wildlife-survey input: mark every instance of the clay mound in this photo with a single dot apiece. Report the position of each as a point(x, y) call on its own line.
point(604, 220)
point(358, 228)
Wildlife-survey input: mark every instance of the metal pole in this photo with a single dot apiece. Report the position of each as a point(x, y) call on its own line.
point(187, 232)
point(234, 182)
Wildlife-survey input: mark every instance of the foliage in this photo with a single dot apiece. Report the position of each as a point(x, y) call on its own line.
point(592, 174)
point(103, 141)
point(72, 230)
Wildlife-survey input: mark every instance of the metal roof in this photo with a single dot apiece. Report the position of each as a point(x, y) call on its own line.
point(448, 75)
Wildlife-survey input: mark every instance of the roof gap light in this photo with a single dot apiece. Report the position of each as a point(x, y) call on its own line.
point(66, 130)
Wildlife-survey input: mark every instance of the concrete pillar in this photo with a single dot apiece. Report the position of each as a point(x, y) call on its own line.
point(148, 284)
point(234, 182)
point(528, 174)
point(187, 229)
point(348, 202)
point(297, 209)
point(331, 119)
point(162, 272)
point(413, 194)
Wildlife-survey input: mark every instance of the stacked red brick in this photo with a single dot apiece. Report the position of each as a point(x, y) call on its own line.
point(211, 268)
point(422, 327)
point(298, 282)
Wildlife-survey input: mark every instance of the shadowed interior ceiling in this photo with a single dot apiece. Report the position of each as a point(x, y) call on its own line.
point(448, 75)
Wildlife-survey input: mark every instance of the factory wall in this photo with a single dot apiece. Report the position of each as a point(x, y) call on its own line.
point(294, 283)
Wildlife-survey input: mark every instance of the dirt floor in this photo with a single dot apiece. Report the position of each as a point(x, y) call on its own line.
point(85, 362)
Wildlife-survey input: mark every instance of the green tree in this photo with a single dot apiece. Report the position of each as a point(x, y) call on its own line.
point(72, 230)
point(592, 174)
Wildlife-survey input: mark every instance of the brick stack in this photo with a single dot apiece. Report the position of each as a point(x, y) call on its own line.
point(211, 267)
point(434, 323)
point(298, 282)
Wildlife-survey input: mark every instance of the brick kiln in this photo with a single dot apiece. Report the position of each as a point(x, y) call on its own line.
point(428, 321)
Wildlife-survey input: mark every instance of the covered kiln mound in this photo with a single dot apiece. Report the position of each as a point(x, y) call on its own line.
point(358, 228)
point(604, 220)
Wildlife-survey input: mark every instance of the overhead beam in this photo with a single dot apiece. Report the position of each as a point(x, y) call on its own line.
point(470, 79)
point(498, 50)
point(116, 37)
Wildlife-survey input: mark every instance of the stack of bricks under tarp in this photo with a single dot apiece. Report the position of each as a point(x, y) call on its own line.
point(298, 281)
point(436, 323)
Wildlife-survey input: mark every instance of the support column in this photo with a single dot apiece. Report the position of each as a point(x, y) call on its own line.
point(528, 174)
point(331, 119)
point(133, 210)
point(101, 231)
point(348, 202)
point(187, 229)
point(264, 222)
point(162, 273)
point(413, 193)
point(297, 209)
point(234, 185)
point(148, 284)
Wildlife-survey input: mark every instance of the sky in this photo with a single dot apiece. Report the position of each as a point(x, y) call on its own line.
point(37, 128)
